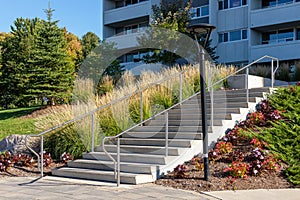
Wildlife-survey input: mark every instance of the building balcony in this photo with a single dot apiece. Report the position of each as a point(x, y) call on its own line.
point(128, 41)
point(127, 13)
point(281, 15)
point(283, 50)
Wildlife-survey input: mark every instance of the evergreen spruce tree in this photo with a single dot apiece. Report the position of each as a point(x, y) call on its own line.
point(35, 62)
point(17, 48)
point(53, 73)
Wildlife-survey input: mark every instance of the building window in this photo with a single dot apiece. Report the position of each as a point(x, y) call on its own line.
point(298, 33)
point(272, 3)
point(233, 35)
point(244, 34)
point(278, 36)
point(198, 12)
point(123, 3)
point(134, 28)
point(225, 4)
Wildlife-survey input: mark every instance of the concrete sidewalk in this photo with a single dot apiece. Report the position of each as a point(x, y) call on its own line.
point(261, 194)
point(59, 188)
point(52, 188)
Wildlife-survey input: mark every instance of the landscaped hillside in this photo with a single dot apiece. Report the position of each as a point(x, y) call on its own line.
point(262, 151)
point(283, 136)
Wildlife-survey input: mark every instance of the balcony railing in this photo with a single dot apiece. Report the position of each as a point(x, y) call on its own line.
point(278, 3)
point(278, 40)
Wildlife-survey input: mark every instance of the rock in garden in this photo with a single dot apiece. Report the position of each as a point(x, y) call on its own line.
point(16, 144)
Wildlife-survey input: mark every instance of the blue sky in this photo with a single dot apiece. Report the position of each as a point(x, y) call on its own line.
point(78, 16)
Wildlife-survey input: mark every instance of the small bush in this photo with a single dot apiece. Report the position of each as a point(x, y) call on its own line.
point(181, 171)
point(238, 169)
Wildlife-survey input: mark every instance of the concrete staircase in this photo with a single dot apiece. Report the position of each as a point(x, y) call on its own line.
point(143, 149)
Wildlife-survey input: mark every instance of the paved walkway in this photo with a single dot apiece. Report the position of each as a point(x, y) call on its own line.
point(19, 188)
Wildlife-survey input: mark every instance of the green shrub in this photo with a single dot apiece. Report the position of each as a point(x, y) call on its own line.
point(283, 137)
point(64, 140)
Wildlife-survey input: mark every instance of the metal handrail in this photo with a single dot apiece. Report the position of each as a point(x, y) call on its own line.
point(117, 163)
point(210, 87)
point(92, 113)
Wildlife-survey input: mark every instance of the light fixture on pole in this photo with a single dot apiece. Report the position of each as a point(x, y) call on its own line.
point(203, 28)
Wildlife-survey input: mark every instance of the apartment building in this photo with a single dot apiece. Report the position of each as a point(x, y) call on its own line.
point(245, 29)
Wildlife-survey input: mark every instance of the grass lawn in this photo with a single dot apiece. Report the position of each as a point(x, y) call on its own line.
point(12, 123)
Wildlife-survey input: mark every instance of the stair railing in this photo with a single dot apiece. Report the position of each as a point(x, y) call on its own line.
point(273, 72)
point(142, 121)
point(93, 112)
point(166, 111)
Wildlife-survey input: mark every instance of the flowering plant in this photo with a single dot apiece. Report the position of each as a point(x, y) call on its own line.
point(238, 169)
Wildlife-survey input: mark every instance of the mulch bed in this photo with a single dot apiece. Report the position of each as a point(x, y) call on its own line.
point(29, 171)
point(219, 181)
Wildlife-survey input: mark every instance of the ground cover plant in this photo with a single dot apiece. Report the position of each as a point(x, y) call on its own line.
point(22, 164)
point(261, 151)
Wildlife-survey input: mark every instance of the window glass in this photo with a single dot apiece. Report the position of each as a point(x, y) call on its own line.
point(143, 26)
point(120, 30)
point(221, 37)
point(235, 35)
point(129, 58)
point(128, 2)
point(221, 5)
point(119, 4)
point(298, 34)
point(267, 3)
point(204, 11)
point(198, 12)
point(285, 35)
point(244, 2)
point(225, 37)
point(235, 3)
point(284, 1)
point(225, 4)
point(244, 34)
point(272, 37)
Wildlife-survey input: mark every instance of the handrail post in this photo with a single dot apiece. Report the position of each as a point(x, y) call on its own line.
point(141, 106)
point(272, 73)
point(246, 83)
point(42, 156)
point(211, 96)
point(93, 132)
point(167, 134)
point(180, 88)
point(118, 163)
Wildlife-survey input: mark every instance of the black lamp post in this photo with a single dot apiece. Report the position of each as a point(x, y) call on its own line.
point(203, 28)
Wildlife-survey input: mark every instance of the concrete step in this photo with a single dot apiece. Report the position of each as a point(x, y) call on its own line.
point(130, 157)
point(174, 128)
point(156, 128)
point(217, 111)
point(162, 135)
point(109, 166)
point(182, 143)
point(156, 150)
point(186, 116)
point(184, 121)
point(254, 92)
point(101, 175)
point(224, 105)
point(223, 99)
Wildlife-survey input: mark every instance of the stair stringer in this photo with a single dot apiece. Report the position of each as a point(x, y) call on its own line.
point(196, 148)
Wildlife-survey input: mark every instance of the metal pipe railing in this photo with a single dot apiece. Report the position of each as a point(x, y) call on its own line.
point(246, 78)
point(142, 121)
point(167, 133)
